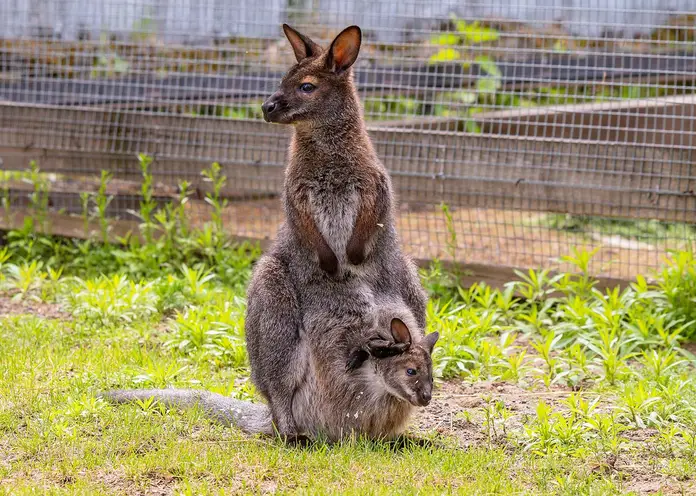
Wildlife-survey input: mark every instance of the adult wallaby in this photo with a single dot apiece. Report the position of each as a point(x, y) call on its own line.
point(338, 246)
point(366, 396)
point(312, 295)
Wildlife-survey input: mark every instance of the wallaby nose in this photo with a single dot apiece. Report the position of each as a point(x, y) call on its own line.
point(269, 106)
point(425, 397)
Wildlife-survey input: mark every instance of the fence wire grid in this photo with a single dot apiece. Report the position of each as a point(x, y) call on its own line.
point(514, 130)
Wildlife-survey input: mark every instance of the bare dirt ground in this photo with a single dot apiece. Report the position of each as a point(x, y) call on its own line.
point(457, 413)
point(483, 236)
point(10, 306)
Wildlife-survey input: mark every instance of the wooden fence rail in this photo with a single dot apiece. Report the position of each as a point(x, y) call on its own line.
point(520, 166)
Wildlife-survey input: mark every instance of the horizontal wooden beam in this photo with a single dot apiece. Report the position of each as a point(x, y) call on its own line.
point(667, 121)
point(71, 226)
point(497, 277)
point(69, 184)
point(576, 176)
point(68, 226)
point(216, 77)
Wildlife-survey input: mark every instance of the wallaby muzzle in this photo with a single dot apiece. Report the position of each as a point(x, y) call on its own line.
point(272, 106)
point(424, 397)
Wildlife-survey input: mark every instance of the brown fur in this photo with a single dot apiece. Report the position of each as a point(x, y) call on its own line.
point(330, 152)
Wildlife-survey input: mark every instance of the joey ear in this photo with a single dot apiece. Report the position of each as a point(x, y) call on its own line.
point(344, 49)
point(429, 341)
point(302, 45)
point(400, 332)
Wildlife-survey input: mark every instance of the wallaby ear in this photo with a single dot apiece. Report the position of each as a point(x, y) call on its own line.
point(400, 332)
point(429, 341)
point(302, 45)
point(344, 49)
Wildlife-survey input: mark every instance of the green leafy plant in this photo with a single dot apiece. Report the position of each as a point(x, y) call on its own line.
point(147, 203)
point(38, 198)
point(101, 202)
point(214, 176)
point(464, 34)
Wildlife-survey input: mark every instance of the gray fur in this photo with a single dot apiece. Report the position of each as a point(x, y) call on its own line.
point(252, 418)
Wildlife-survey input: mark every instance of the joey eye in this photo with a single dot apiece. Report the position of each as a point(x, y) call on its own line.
point(307, 87)
point(411, 371)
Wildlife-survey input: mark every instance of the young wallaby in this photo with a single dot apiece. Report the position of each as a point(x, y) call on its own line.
point(338, 246)
point(365, 381)
point(340, 396)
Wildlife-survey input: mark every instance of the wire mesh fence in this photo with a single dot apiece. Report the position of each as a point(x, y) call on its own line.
point(514, 130)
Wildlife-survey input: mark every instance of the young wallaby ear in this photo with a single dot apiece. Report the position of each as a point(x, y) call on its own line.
point(302, 45)
point(344, 49)
point(400, 332)
point(429, 341)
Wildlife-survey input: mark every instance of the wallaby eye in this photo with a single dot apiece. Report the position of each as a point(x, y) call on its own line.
point(307, 87)
point(411, 371)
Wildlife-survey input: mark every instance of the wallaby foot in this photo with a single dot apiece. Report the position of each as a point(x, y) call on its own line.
point(404, 442)
point(297, 440)
point(283, 421)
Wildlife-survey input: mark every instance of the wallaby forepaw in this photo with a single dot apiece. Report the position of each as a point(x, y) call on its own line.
point(356, 359)
point(355, 254)
point(380, 348)
point(329, 264)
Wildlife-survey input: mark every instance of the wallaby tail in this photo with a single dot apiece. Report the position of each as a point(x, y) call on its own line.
point(252, 418)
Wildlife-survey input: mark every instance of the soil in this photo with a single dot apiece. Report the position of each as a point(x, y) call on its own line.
point(11, 306)
point(457, 413)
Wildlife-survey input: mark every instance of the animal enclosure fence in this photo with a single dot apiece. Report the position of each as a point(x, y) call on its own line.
point(514, 130)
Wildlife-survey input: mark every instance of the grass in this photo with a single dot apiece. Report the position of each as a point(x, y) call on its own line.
point(547, 386)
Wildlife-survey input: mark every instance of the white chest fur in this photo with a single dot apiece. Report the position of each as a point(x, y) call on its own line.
point(335, 217)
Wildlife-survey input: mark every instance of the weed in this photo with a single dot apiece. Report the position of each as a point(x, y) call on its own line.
point(214, 176)
point(102, 201)
point(38, 198)
point(26, 277)
point(110, 300)
point(85, 198)
point(637, 404)
point(147, 203)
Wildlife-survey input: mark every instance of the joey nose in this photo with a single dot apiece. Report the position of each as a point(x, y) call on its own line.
point(425, 397)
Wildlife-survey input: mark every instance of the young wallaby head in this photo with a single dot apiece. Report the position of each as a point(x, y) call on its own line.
point(409, 375)
point(319, 87)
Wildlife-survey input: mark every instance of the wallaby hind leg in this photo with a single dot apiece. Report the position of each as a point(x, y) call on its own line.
point(273, 322)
